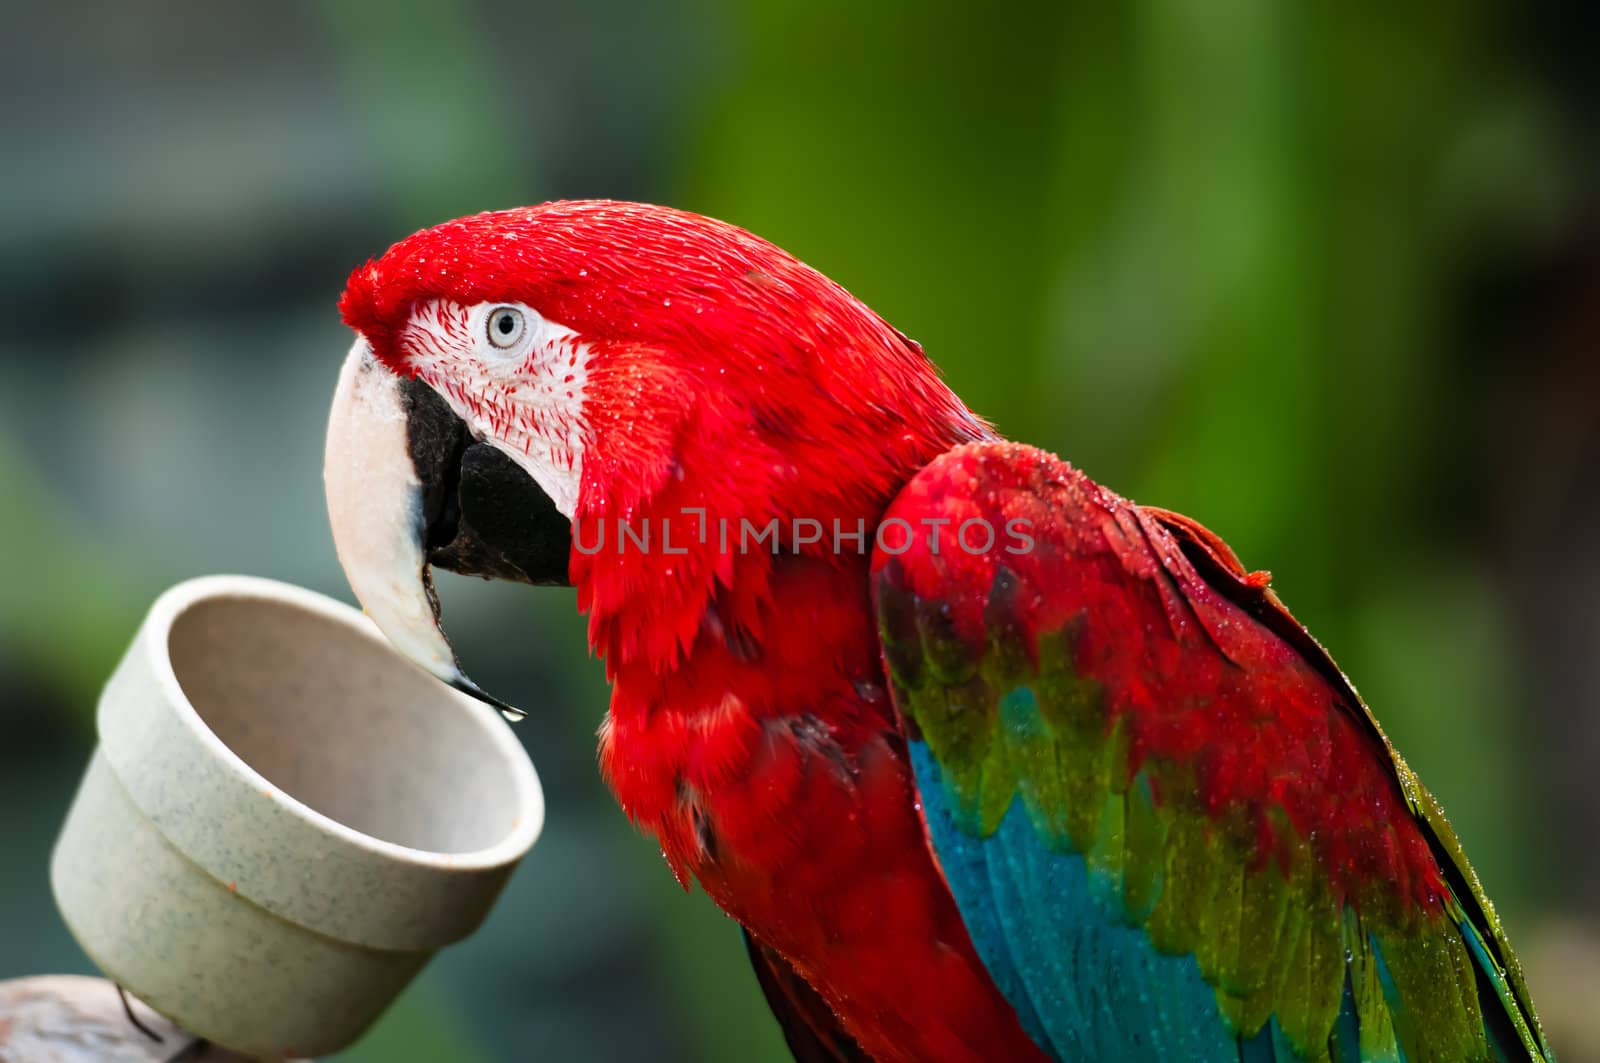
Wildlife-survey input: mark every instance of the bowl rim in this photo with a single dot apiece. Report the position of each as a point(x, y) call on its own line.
point(181, 597)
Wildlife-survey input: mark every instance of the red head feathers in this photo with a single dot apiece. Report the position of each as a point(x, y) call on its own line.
point(674, 362)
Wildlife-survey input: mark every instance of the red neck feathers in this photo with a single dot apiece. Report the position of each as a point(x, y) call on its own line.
point(749, 404)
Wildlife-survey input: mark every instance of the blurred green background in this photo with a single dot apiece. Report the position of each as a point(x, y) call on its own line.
point(1325, 277)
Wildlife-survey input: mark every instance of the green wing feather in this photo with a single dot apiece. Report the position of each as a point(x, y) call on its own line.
point(1067, 681)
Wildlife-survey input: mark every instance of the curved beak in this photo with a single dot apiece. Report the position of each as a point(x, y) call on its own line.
point(407, 488)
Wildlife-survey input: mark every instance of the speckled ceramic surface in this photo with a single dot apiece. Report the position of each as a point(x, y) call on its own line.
point(284, 819)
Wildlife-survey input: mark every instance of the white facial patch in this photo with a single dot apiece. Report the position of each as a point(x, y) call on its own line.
point(525, 398)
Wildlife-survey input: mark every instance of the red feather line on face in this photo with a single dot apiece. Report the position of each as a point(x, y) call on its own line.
point(710, 350)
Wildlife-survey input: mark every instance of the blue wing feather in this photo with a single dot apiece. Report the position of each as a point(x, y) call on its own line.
point(1116, 928)
point(1085, 984)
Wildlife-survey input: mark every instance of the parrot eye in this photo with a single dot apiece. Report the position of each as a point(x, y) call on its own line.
point(505, 326)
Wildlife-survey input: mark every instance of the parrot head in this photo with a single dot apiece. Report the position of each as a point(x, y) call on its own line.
point(520, 372)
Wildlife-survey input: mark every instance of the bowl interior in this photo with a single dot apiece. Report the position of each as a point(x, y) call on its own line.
point(336, 719)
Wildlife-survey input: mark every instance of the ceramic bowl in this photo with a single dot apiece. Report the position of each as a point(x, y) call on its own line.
point(284, 819)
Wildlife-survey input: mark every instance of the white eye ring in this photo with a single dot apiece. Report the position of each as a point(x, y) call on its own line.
point(505, 326)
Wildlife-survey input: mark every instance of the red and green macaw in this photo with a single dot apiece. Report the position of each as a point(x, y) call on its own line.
point(989, 762)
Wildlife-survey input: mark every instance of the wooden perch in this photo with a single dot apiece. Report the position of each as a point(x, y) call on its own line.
point(74, 1019)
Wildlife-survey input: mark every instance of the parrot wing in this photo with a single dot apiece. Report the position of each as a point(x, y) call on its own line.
point(1171, 826)
point(810, 1027)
